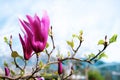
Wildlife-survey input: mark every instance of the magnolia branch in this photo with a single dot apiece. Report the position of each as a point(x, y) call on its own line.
point(105, 46)
point(38, 68)
point(98, 54)
point(10, 45)
point(49, 63)
point(53, 45)
point(45, 65)
point(75, 50)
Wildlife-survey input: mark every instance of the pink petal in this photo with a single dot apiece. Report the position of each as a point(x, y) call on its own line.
point(38, 46)
point(30, 19)
point(45, 20)
point(35, 25)
point(7, 71)
point(60, 70)
point(22, 41)
point(27, 29)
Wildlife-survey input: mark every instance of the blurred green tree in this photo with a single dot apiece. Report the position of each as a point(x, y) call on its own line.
point(95, 75)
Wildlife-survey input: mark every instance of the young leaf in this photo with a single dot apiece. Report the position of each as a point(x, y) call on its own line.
point(40, 64)
point(10, 41)
point(70, 43)
point(102, 55)
point(113, 38)
point(101, 42)
point(12, 72)
point(49, 74)
point(74, 35)
point(47, 45)
point(5, 64)
point(50, 31)
point(14, 54)
point(47, 67)
point(22, 72)
point(68, 54)
point(91, 55)
point(21, 57)
point(13, 62)
point(56, 72)
point(80, 35)
point(81, 32)
point(6, 40)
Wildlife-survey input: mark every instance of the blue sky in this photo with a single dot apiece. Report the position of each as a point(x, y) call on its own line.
point(96, 18)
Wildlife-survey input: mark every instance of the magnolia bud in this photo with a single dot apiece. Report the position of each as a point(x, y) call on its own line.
point(60, 70)
point(7, 71)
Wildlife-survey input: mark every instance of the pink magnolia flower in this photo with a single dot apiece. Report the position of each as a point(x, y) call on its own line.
point(37, 31)
point(60, 69)
point(27, 49)
point(7, 71)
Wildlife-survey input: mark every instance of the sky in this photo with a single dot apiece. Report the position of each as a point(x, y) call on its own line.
point(96, 18)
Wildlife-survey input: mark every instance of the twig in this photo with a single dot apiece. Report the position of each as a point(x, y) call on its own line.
point(24, 65)
point(67, 76)
point(37, 68)
point(17, 66)
point(75, 50)
point(14, 58)
point(98, 53)
point(53, 46)
point(37, 56)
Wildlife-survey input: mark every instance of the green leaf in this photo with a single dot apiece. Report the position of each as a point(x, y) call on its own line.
point(6, 40)
point(55, 73)
point(101, 42)
point(13, 63)
point(70, 43)
point(68, 54)
point(47, 45)
point(47, 67)
point(113, 38)
point(22, 72)
point(50, 32)
point(12, 72)
point(80, 35)
point(91, 55)
point(43, 74)
point(41, 64)
point(74, 35)
point(48, 74)
point(81, 32)
point(102, 55)
point(21, 57)
point(14, 54)
point(5, 64)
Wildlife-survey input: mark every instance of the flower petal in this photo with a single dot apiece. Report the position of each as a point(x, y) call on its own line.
point(22, 42)
point(7, 71)
point(38, 46)
point(27, 29)
point(45, 20)
point(60, 70)
point(30, 19)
